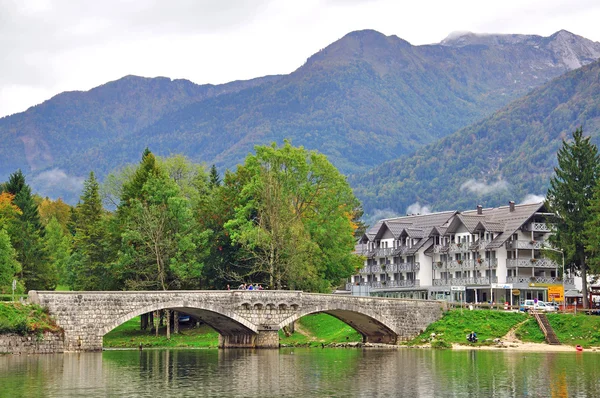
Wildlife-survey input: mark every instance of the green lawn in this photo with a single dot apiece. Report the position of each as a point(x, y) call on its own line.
point(316, 329)
point(454, 326)
point(129, 335)
point(569, 328)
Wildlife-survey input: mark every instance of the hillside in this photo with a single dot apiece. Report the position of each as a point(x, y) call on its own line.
point(367, 98)
point(363, 100)
point(70, 123)
point(504, 157)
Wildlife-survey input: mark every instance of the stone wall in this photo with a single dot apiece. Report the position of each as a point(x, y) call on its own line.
point(48, 343)
point(242, 318)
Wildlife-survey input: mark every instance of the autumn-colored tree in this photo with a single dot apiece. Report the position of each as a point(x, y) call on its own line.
point(58, 209)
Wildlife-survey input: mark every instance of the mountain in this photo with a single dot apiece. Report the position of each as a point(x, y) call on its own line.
point(509, 155)
point(363, 100)
point(73, 122)
point(368, 98)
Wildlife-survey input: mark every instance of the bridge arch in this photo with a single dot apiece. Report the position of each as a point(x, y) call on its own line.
point(374, 327)
point(208, 314)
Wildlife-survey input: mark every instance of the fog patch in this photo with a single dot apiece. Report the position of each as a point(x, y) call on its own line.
point(57, 180)
point(532, 198)
point(416, 208)
point(482, 188)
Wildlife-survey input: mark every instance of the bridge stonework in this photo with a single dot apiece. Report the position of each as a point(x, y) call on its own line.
point(242, 318)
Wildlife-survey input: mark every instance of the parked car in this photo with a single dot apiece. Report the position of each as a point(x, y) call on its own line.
point(527, 305)
point(543, 306)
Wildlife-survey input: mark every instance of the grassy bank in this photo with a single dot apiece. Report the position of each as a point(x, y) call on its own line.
point(311, 330)
point(129, 335)
point(456, 324)
point(570, 329)
point(25, 319)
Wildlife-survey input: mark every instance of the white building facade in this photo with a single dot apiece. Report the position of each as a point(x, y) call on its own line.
point(485, 255)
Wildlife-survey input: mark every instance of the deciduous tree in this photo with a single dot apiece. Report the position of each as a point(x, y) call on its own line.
point(294, 218)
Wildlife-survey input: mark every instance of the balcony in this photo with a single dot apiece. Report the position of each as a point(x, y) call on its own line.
point(390, 268)
point(481, 280)
point(458, 247)
point(467, 264)
point(397, 283)
point(531, 262)
point(441, 248)
point(537, 279)
point(539, 227)
point(526, 245)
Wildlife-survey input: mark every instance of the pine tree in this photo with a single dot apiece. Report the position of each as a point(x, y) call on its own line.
point(90, 262)
point(215, 180)
point(569, 196)
point(27, 234)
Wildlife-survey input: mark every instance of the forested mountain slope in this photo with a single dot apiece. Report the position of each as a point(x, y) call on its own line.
point(368, 98)
point(73, 122)
point(503, 157)
point(363, 100)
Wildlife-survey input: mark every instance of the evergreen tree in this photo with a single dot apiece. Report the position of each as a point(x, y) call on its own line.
point(569, 196)
point(92, 255)
point(26, 234)
point(215, 180)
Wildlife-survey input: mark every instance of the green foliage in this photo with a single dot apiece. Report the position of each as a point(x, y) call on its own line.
point(456, 324)
point(569, 196)
point(129, 335)
point(293, 219)
point(25, 319)
point(58, 247)
point(9, 266)
point(93, 244)
point(580, 329)
point(162, 246)
point(26, 235)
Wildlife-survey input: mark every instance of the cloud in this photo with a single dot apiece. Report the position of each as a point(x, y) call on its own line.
point(379, 214)
point(57, 180)
point(481, 188)
point(532, 198)
point(416, 208)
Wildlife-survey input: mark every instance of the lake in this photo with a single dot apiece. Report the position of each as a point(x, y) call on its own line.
point(293, 372)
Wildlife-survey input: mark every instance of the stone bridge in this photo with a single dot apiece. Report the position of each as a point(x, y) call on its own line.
point(242, 318)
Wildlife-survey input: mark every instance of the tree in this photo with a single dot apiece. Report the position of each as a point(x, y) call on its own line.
point(55, 208)
point(569, 196)
point(26, 237)
point(58, 247)
point(294, 218)
point(215, 180)
point(93, 253)
point(9, 266)
point(161, 245)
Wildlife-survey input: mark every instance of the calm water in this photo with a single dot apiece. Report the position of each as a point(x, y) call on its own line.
point(301, 372)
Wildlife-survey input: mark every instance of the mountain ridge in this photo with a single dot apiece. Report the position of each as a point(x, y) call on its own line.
point(363, 100)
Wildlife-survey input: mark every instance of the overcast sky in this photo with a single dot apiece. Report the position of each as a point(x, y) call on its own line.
point(50, 46)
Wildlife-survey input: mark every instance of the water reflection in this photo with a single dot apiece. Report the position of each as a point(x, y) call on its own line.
point(293, 372)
